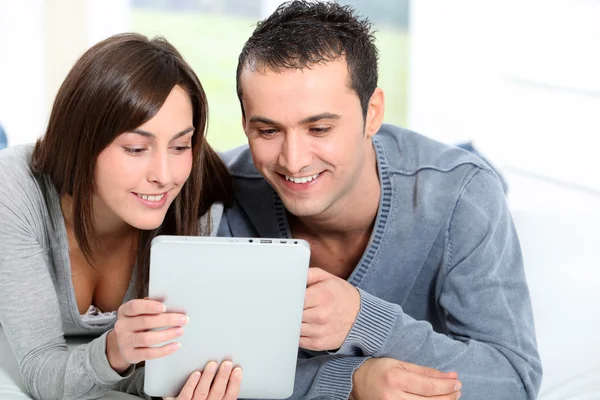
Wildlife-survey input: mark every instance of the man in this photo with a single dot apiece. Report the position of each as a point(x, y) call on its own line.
point(416, 266)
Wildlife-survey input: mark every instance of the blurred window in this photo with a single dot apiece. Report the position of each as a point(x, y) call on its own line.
point(211, 33)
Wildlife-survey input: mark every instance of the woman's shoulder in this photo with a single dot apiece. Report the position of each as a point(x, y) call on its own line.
point(22, 193)
point(15, 165)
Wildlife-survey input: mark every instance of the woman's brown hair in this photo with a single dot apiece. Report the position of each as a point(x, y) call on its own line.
point(116, 86)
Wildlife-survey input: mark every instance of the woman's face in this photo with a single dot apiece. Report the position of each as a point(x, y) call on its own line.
point(141, 172)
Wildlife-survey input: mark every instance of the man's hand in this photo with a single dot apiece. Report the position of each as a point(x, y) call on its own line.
point(331, 305)
point(387, 378)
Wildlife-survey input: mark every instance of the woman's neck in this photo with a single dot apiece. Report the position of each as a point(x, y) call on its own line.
point(109, 230)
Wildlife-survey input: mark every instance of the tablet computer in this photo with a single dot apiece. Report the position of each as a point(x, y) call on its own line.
point(244, 298)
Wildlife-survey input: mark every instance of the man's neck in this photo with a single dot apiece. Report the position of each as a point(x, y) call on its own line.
point(339, 242)
point(354, 221)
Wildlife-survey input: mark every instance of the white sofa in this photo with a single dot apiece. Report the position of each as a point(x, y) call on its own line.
point(563, 272)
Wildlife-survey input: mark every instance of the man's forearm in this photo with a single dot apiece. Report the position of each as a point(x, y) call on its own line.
point(482, 366)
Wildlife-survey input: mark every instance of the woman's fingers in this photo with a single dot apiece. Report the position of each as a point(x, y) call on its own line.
point(151, 353)
point(146, 322)
point(143, 324)
point(214, 383)
point(188, 389)
point(219, 385)
point(153, 338)
point(139, 307)
point(203, 387)
point(233, 387)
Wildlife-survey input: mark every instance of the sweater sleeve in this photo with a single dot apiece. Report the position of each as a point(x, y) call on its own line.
point(30, 314)
point(325, 377)
point(482, 298)
point(134, 385)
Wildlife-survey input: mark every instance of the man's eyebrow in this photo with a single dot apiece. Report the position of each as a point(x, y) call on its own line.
point(261, 119)
point(153, 136)
point(318, 117)
point(312, 118)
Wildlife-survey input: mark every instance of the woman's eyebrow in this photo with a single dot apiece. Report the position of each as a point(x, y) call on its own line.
point(153, 136)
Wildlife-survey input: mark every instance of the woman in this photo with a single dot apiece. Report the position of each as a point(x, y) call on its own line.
point(124, 158)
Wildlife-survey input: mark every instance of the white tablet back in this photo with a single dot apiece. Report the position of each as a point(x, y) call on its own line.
point(244, 298)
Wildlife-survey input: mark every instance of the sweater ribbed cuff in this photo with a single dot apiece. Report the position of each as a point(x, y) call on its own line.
point(98, 366)
point(372, 327)
point(335, 380)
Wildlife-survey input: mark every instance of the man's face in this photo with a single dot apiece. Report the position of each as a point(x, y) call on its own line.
point(308, 136)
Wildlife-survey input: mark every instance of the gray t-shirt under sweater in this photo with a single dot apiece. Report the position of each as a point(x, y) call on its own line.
point(38, 307)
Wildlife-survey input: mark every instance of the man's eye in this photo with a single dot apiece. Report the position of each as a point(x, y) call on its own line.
point(320, 130)
point(267, 132)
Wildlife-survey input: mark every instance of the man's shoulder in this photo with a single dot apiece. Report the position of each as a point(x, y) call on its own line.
point(408, 152)
point(239, 162)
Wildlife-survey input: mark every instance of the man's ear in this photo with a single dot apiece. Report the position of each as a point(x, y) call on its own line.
point(375, 113)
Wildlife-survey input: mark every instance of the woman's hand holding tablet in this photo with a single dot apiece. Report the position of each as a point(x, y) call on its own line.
point(140, 326)
point(206, 386)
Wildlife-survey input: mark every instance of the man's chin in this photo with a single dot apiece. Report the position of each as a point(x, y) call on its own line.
point(302, 209)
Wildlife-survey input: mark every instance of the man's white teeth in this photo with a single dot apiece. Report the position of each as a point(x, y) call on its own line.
point(304, 179)
point(150, 198)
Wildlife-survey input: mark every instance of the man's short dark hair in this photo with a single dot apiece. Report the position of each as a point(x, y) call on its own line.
point(301, 33)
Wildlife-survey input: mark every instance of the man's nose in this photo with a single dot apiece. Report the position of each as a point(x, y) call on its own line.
point(295, 153)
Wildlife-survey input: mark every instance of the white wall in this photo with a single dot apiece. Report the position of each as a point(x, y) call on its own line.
point(268, 6)
point(39, 42)
point(21, 73)
point(520, 77)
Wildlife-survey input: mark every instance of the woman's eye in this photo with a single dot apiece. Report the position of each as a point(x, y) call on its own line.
point(134, 150)
point(181, 149)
